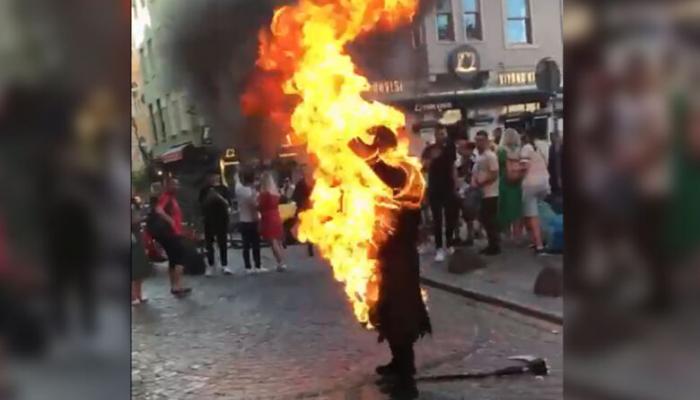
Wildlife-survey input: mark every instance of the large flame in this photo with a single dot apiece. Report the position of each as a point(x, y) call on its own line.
point(303, 55)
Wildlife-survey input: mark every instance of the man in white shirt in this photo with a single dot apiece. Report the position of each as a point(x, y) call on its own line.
point(485, 177)
point(247, 198)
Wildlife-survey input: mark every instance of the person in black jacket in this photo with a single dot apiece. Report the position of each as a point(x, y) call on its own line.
point(214, 200)
point(399, 314)
point(302, 198)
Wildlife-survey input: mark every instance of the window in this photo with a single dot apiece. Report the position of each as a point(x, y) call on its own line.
point(151, 57)
point(144, 63)
point(444, 21)
point(161, 121)
point(417, 37)
point(472, 20)
point(152, 117)
point(518, 23)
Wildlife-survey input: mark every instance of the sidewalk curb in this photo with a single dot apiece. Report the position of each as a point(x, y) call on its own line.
point(496, 301)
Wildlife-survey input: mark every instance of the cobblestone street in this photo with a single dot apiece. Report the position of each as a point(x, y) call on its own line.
point(292, 335)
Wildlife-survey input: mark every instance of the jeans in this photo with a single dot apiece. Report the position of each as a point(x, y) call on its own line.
point(216, 231)
point(446, 205)
point(251, 239)
point(489, 219)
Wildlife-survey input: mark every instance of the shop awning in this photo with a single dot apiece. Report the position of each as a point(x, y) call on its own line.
point(173, 154)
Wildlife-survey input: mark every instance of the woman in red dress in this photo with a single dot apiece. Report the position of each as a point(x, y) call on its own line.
point(271, 223)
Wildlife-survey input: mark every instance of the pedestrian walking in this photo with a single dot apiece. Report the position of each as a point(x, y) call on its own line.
point(247, 199)
point(439, 160)
point(270, 221)
point(510, 209)
point(166, 227)
point(485, 177)
point(140, 265)
point(535, 187)
point(214, 200)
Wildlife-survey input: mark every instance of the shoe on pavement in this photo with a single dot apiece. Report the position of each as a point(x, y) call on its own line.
point(249, 271)
point(209, 271)
point(143, 299)
point(135, 302)
point(541, 252)
point(227, 271)
point(440, 255)
point(281, 268)
point(263, 270)
point(387, 369)
point(181, 292)
point(402, 388)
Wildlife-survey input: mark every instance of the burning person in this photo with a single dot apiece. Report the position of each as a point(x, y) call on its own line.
point(399, 314)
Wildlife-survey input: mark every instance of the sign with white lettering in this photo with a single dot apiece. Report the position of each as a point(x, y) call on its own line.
point(516, 78)
point(385, 87)
point(433, 107)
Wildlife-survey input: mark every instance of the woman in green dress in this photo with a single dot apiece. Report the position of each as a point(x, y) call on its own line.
point(509, 189)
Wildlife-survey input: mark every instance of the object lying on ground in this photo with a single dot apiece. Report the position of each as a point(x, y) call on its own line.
point(533, 365)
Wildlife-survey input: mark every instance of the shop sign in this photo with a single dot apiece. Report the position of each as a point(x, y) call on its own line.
point(433, 107)
point(387, 87)
point(464, 63)
point(514, 78)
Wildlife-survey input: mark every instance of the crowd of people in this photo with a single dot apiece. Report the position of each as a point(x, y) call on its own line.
point(498, 180)
point(257, 199)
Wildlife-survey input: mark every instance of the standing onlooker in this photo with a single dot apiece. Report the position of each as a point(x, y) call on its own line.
point(554, 163)
point(302, 198)
point(439, 159)
point(214, 200)
point(247, 199)
point(497, 136)
point(168, 209)
point(485, 176)
point(140, 265)
point(535, 188)
point(510, 195)
point(469, 207)
point(271, 222)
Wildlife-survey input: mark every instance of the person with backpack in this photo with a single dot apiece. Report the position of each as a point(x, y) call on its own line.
point(214, 200)
point(165, 225)
point(535, 187)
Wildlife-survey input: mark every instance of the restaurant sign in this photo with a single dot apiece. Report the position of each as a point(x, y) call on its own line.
point(433, 107)
point(516, 78)
point(387, 87)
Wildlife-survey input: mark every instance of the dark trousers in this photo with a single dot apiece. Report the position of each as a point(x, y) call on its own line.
point(446, 206)
point(216, 230)
point(403, 358)
point(66, 282)
point(489, 219)
point(251, 240)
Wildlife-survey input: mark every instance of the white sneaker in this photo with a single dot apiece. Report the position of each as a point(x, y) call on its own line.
point(135, 302)
point(281, 268)
point(227, 271)
point(251, 271)
point(263, 270)
point(209, 271)
point(440, 255)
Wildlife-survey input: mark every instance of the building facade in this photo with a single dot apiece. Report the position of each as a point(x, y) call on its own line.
point(167, 116)
point(479, 57)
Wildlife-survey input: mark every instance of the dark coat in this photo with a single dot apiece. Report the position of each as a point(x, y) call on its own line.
point(399, 314)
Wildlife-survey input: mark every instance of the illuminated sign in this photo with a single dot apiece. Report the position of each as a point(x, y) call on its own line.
point(516, 78)
point(384, 87)
point(433, 107)
point(464, 63)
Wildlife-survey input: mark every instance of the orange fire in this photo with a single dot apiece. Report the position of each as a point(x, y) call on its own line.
point(303, 55)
